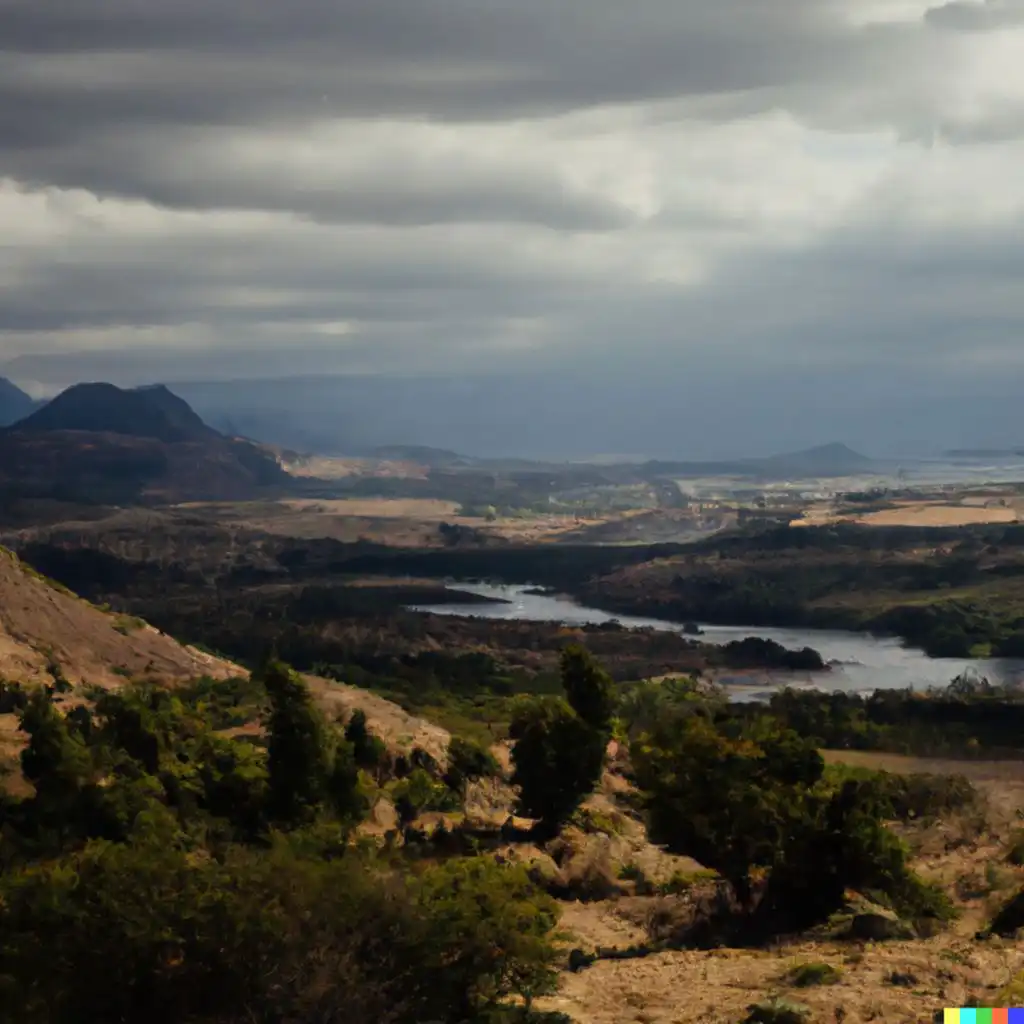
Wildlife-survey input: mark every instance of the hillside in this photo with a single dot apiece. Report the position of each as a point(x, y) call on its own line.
point(43, 624)
point(46, 630)
point(14, 403)
point(100, 443)
point(153, 412)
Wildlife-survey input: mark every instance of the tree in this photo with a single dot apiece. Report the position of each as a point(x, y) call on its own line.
point(491, 930)
point(558, 759)
point(589, 689)
point(56, 761)
point(298, 748)
point(368, 750)
point(721, 800)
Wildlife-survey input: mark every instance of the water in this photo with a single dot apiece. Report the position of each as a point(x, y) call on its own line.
point(860, 662)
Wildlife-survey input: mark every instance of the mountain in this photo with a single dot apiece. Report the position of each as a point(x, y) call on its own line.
point(101, 443)
point(829, 460)
point(825, 460)
point(14, 403)
point(153, 412)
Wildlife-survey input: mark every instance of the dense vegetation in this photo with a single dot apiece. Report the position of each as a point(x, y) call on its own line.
point(162, 871)
point(953, 592)
point(751, 799)
point(970, 718)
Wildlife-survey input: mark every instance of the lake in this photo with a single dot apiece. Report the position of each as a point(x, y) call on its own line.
point(860, 662)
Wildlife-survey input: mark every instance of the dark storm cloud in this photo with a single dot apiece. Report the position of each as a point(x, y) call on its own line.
point(654, 194)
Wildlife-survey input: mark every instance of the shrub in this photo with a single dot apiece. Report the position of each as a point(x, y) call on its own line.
point(148, 932)
point(467, 761)
point(1015, 849)
point(810, 974)
point(777, 1011)
point(1009, 919)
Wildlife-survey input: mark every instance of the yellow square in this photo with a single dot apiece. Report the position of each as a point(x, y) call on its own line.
point(950, 1017)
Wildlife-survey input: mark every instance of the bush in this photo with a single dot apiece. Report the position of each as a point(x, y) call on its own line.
point(810, 974)
point(1015, 848)
point(777, 1011)
point(148, 932)
point(467, 761)
point(921, 797)
point(1009, 919)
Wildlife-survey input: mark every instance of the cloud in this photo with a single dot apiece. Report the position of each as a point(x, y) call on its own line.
point(446, 186)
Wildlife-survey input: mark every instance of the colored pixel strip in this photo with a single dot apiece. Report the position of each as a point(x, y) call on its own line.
point(983, 1017)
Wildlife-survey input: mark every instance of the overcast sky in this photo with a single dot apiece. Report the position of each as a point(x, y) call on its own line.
point(826, 189)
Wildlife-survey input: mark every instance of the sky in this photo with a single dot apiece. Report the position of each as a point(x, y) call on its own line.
point(817, 200)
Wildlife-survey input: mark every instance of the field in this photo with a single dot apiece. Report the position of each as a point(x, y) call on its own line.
point(915, 514)
point(399, 522)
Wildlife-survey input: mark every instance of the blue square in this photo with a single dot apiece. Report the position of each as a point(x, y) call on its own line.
point(1016, 1016)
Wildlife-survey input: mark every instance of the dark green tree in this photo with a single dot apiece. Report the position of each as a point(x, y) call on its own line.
point(368, 750)
point(721, 800)
point(589, 689)
point(558, 759)
point(56, 761)
point(298, 747)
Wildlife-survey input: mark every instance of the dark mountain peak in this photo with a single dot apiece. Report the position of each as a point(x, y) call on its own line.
point(151, 412)
point(14, 403)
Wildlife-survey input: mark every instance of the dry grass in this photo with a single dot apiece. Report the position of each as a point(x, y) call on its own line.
point(902, 982)
point(398, 522)
point(42, 623)
point(913, 513)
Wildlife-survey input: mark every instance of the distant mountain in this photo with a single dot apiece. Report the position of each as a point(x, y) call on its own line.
point(101, 443)
point(153, 412)
point(14, 403)
point(827, 460)
point(984, 453)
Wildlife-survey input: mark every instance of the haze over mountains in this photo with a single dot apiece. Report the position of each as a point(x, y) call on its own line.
point(15, 404)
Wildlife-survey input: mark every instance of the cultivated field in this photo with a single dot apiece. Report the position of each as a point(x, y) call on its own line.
point(915, 513)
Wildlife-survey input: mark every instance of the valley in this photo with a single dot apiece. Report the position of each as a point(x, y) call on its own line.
point(501, 673)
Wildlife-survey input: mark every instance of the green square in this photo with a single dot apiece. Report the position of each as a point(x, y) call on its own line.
point(983, 1016)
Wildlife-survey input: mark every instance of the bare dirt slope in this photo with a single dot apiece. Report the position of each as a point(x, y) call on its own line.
point(41, 624)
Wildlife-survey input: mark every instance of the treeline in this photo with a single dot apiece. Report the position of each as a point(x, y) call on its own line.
point(970, 718)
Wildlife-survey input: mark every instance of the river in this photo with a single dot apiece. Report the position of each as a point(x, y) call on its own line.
point(860, 662)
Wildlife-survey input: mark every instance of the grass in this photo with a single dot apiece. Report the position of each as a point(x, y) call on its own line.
point(128, 624)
